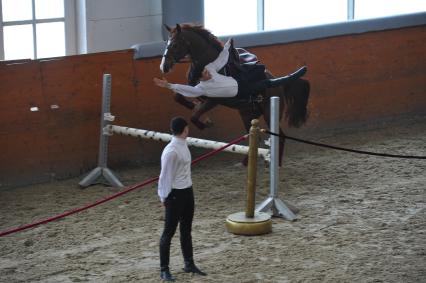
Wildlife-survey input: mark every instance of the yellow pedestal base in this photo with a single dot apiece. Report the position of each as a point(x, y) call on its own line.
point(239, 224)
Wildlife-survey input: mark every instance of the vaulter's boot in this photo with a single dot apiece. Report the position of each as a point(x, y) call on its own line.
point(191, 267)
point(294, 76)
point(166, 275)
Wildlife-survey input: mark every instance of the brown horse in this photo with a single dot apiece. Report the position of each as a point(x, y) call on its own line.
point(202, 47)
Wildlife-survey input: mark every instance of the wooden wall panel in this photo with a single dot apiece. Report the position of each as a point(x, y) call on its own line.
point(75, 85)
point(23, 135)
point(357, 78)
point(354, 79)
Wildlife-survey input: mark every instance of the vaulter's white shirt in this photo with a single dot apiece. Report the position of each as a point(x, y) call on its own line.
point(175, 168)
point(218, 86)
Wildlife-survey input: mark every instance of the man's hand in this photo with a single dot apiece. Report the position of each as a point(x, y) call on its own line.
point(162, 83)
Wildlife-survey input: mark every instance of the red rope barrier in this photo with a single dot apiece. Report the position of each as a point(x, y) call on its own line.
point(98, 202)
point(208, 154)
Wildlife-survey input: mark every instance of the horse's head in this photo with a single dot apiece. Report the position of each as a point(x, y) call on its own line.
point(191, 40)
point(177, 48)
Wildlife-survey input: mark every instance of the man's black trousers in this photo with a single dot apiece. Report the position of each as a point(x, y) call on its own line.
point(179, 209)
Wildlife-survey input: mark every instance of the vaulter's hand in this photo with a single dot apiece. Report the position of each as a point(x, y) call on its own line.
point(205, 75)
point(162, 83)
point(229, 43)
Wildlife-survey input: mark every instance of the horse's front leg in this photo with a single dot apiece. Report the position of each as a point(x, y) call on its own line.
point(183, 101)
point(204, 107)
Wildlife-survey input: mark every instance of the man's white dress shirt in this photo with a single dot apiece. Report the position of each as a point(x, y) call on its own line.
point(175, 168)
point(218, 86)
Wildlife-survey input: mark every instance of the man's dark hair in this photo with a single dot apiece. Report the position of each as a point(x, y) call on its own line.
point(177, 125)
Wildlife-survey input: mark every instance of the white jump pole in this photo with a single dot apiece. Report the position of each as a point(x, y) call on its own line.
point(107, 130)
point(278, 207)
point(146, 134)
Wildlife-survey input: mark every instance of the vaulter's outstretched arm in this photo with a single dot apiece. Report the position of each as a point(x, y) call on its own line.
point(185, 90)
point(221, 59)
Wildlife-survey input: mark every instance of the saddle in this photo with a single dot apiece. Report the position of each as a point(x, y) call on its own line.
point(244, 66)
point(245, 57)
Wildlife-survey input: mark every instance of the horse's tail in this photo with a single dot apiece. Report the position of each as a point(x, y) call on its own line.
point(296, 96)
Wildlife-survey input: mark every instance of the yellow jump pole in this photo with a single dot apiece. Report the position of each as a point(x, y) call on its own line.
point(250, 222)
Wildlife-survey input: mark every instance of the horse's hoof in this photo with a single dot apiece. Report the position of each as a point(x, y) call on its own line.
point(244, 162)
point(208, 123)
point(200, 125)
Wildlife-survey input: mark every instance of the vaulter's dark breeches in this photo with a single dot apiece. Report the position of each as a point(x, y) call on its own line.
point(250, 89)
point(179, 210)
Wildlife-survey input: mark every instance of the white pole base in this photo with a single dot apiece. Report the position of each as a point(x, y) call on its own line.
point(278, 208)
point(93, 177)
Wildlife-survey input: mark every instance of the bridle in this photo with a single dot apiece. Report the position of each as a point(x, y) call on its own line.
point(173, 58)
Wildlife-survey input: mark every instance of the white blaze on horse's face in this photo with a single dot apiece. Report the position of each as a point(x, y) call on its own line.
point(163, 60)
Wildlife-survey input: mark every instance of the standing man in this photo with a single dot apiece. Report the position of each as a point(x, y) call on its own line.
point(175, 192)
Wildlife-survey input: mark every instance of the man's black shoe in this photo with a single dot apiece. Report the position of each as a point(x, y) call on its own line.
point(166, 276)
point(194, 269)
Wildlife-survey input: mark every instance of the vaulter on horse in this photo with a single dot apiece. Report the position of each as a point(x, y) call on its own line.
point(202, 47)
point(245, 84)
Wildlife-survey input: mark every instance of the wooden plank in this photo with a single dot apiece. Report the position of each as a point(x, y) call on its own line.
point(72, 87)
point(354, 78)
point(23, 133)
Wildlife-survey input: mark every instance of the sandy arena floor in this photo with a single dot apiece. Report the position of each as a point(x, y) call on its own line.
point(361, 219)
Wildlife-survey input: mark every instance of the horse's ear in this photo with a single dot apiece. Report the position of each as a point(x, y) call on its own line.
point(178, 28)
point(169, 29)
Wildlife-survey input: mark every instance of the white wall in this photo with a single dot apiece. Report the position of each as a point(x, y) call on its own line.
point(105, 25)
point(118, 24)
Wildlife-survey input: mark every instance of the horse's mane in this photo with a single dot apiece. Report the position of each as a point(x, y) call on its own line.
point(204, 33)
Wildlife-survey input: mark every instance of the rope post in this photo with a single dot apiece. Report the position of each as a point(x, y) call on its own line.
point(106, 118)
point(250, 222)
point(252, 166)
point(278, 207)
